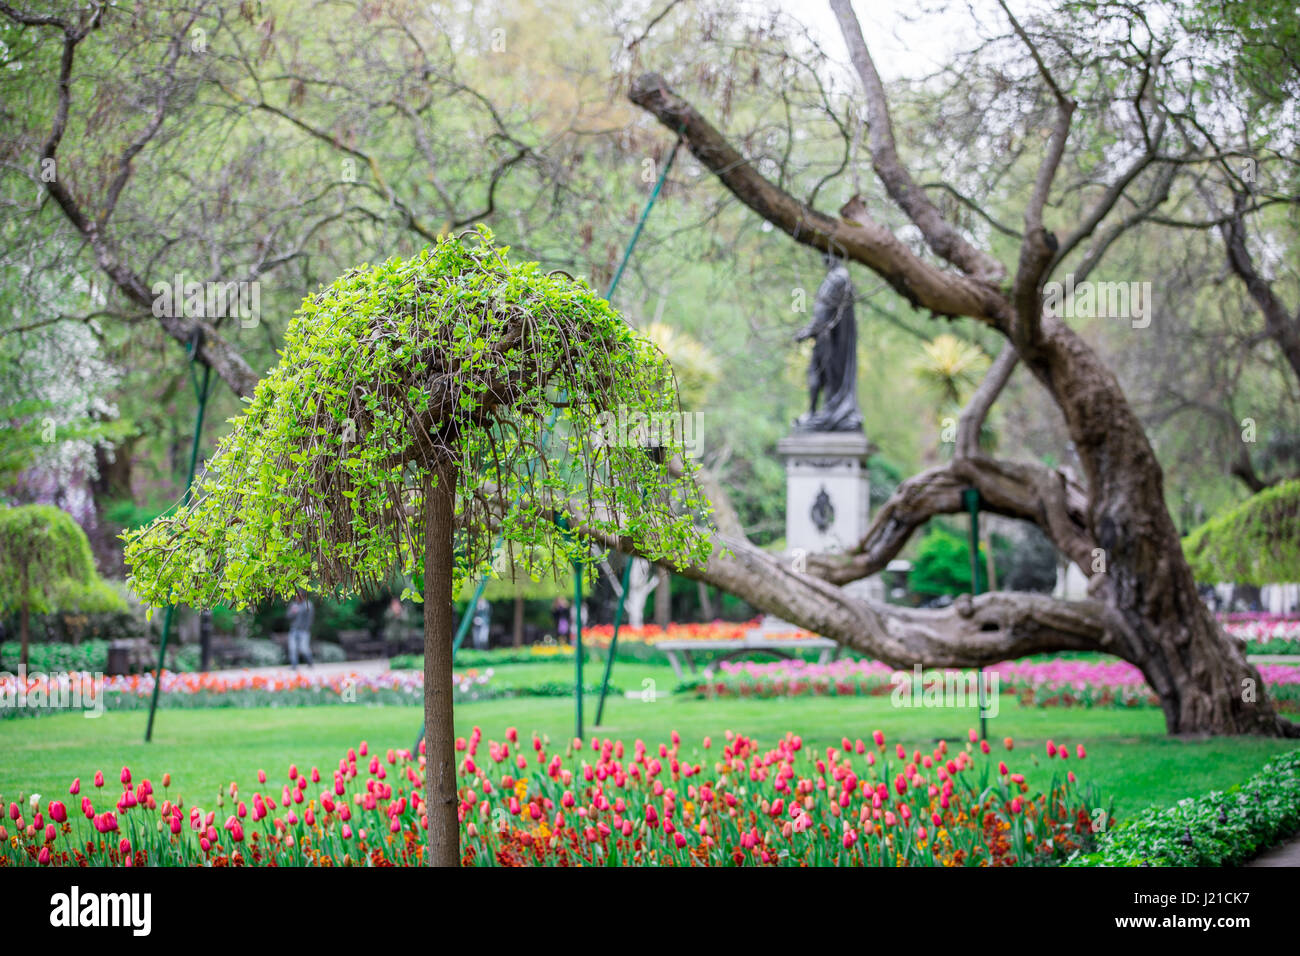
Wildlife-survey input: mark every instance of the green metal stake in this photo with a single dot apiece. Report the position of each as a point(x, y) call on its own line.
point(577, 650)
point(613, 643)
point(202, 395)
point(972, 499)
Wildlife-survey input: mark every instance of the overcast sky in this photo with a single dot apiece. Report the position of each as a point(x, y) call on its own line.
point(906, 37)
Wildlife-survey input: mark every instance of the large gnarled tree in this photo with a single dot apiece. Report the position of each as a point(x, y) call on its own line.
point(1115, 525)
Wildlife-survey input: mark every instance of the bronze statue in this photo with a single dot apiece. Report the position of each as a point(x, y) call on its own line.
point(833, 372)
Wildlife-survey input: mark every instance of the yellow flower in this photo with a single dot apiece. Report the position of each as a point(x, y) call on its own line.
point(521, 789)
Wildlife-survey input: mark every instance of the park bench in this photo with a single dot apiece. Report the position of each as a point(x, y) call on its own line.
point(360, 645)
point(129, 655)
point(750, 644)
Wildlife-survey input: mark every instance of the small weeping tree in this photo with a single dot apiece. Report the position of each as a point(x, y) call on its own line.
point(46, 566)
point(423, 410)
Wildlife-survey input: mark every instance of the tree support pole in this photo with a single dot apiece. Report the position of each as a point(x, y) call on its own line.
point(613, 642)
point(200, 393)
point(972, 499)
point(577, 650)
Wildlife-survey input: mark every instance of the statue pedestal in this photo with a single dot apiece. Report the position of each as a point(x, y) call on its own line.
point(827, 507)
point(827, 502)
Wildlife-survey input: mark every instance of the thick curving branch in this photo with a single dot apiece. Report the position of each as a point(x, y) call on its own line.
point(971, 633)
point(860, 238)
point(213, 350)
point(940, 235)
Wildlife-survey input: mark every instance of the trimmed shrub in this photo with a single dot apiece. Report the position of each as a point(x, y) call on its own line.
point(1220, 828)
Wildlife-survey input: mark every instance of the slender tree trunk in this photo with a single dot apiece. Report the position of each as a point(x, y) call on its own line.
point(706, 603)
point(439, 729)
point(663, 599)
point(519, 621)
point(24, 630)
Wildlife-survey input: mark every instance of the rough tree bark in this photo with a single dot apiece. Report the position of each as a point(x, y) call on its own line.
point(440, 801)
point(1145, 609)
point(663, 599)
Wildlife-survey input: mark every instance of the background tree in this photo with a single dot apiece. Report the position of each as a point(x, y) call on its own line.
point(406, 426)
point(46, 566)
point(1255, 543)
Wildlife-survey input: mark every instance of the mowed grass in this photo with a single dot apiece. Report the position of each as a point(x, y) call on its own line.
point(1129, 755)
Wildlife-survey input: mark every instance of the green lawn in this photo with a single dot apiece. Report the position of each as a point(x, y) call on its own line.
point(203, 750)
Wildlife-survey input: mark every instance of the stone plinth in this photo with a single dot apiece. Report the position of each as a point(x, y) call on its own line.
point(827, 507)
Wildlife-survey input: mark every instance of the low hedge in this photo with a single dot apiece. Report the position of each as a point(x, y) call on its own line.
point(92, 655)
point(1220, 828)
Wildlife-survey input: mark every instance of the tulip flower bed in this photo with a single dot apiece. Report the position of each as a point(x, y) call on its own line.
point(601, 634)
point(1264, 633)
point(133, 692)
point(595, 804)
point(1052, 683)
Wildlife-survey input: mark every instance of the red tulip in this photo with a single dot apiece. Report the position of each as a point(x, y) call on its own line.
point(58, 812)
point(75, 788)
point(99, 778)
point(126, 776)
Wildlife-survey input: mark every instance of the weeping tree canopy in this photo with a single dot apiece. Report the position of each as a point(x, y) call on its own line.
point(46, 565)
point(455, 357)
point(1257, 542)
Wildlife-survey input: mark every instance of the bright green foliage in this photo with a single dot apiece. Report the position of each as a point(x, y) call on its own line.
point(46, 565)
point(1257, 542)
point(1220, 828)
point(942, 564)
point(456, 354)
